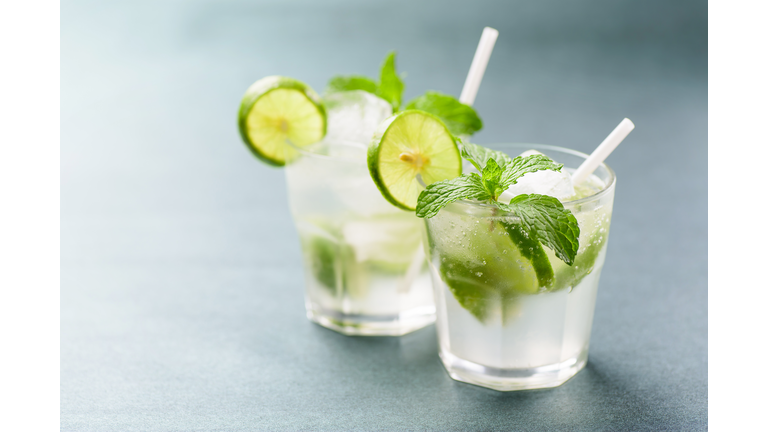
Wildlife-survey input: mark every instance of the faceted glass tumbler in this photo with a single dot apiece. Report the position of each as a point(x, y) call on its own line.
point(497, 327)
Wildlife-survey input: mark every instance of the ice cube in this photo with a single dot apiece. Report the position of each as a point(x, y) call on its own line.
point(545, 182)
point(360, 196)
point(384, 240)
point(354, 115)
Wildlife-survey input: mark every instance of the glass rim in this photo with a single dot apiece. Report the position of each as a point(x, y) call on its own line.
point(609, 184)
point(308, 152)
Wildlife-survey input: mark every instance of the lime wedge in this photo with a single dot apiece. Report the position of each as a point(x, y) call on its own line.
point(275, 110)
point(410, 143)
point(484, 268)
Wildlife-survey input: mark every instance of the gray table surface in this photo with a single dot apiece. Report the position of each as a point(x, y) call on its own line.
point(181, 283)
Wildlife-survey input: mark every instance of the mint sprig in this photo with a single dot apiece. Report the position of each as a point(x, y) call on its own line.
point(459, 118)
point(487, 187)
point(391, 86)
point(543, 218)
point(495, 180)
point(479, 155)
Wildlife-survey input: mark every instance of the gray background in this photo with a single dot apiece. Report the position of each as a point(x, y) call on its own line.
point(181, 290)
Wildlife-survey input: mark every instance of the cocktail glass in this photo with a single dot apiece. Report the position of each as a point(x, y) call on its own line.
point(497, 327)
point(363, 259)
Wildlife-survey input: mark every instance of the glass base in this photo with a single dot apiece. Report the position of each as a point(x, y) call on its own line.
point(373, 325)
point(513, 379)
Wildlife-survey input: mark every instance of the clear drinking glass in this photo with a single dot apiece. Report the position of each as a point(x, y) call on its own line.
point(363, 258)
point(496, 326)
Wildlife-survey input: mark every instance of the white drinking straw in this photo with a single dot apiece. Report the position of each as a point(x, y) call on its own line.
point(479, 63)
point(602, 151)
point(468, 94)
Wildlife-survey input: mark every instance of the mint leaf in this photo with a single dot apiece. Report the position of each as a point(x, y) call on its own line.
point(584, 263)
point(545, 219)
point(533, 251)
point(479, 155)
point(440, 194)
point(496, 178)
point(491, 177)
point(332, 263)
point(520, 166)
point(341, 83)
point(390, 85)
point(459, 118)
point(323, 255)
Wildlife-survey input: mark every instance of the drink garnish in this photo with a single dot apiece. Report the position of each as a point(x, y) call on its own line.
point(278, 109)
point(542, 218)
point(459, 118)
point(409, 144)
point(389, 87)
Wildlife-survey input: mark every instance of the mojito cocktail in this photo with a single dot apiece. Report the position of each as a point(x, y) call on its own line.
point(511, 314)
point(364, 262)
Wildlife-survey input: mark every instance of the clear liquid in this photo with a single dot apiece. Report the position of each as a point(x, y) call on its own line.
point(358, 266)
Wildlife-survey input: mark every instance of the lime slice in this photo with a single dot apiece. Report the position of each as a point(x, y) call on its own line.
point(275, 110)
point(410, 143)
